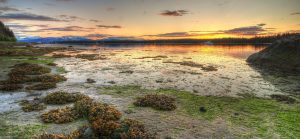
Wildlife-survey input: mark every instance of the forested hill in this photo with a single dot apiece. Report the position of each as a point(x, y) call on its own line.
point(6, 34)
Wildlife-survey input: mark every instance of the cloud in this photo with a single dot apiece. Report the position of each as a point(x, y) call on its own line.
point(65, 0)
point(94, 20)
point(7, 9)
point(250, 30)
point(3, 1)
point(261, 24)
point(108, 27)
point(174, 13)
point(295, 13)
point(27, 16)
point(174, 34)
point(67, 29)
point(97, 36)
point(110, 9)
point(69, 17)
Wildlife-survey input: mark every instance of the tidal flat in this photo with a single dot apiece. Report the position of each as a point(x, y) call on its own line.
point(216, 92)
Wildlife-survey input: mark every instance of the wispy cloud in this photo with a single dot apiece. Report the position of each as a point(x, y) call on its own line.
point(295, 13)
point(109, 26)
point(8, 9)
point(27, 16)
point(94, 20)
point(174, 13)
point(174, 34)
point(69, 17)
point(67, 29)
point(3, 1)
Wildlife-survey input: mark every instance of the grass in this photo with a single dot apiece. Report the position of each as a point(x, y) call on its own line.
point(11, 131)
point(264, 118)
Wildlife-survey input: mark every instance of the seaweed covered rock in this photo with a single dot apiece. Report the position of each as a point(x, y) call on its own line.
point(60, 98)
point(42, 86)
point(29, 69)
point(59, 116)
point(160, 102)
point(61, 56)
point(77, 134)
point(83, 105)
point(283, 55)
point(104, 119)
point(10, 87)
point(33, 105)
point(131, 129)
point(283, 98)
point(47, 78)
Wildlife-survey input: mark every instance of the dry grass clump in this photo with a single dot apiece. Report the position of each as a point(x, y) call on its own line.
point(77, 134)
point(283, 98)
point(10, 87)
point(33, 105)
point(59, 116)
point(160, 102)
point(42, 86)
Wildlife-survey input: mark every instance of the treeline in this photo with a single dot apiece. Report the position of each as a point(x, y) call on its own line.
point(6, 34)
point(254, 40)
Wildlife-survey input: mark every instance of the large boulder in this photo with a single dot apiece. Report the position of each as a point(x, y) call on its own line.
point(283, 55)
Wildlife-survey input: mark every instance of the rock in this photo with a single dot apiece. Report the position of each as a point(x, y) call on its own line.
point(89, 80)
point(88, 133)
point(202, 109)
point(283, 55)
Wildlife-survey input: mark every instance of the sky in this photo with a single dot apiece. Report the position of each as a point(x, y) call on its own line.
point(150, 19)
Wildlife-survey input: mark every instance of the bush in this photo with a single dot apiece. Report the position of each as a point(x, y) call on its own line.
point(160, 102)
point(59, 116)
point(131, 129)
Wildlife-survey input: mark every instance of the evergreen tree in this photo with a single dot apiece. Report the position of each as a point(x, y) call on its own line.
point(6, 34)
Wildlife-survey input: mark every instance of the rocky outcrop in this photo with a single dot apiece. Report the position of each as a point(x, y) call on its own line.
point(283, 55)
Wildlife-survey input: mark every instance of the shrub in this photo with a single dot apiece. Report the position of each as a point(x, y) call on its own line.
point(83, 105)
point(160, 102)
point(42, 86)
point(59, 116)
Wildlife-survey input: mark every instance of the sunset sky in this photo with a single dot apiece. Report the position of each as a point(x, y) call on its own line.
point(150, 19)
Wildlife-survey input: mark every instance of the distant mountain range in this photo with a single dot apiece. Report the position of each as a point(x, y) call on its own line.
point(52, 39)
point(78, 39)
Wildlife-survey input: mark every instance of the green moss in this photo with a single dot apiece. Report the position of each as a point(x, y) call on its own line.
point(265, 118)
point(11, 131)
